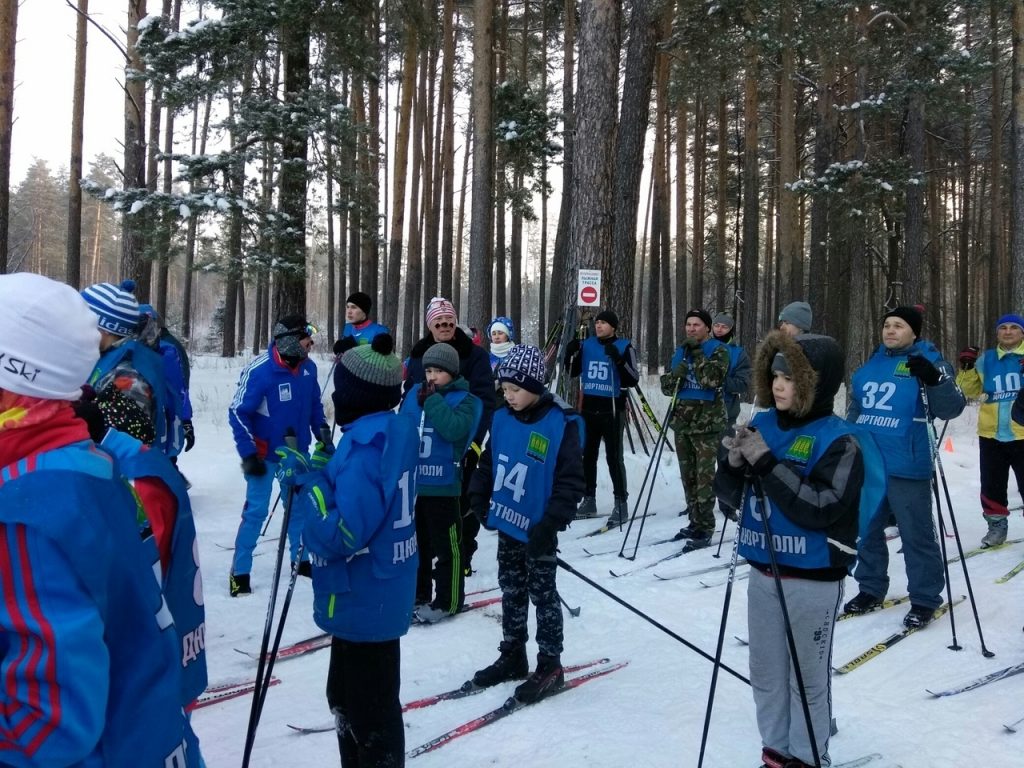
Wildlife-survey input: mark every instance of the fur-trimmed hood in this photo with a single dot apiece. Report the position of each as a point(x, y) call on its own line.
point(817, 368)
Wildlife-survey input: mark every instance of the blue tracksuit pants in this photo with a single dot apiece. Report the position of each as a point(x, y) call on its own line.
point(257, 505)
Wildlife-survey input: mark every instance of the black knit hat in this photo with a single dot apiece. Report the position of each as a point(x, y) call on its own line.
point(700, 314)
point(361, 300)
point(609, 317)
point(367, 379)
point(910, 315)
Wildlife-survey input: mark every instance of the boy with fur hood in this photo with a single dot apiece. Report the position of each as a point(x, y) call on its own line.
point(802, 465)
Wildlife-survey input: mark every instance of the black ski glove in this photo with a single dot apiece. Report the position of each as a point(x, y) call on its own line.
point(190, 434)
point(922, 368)
point(254, 466)
point(572, 349)
point(613, 352)
point(426, 390)
point(481, 515)
point(89, 412)
point(542, 539)
point(341, 346)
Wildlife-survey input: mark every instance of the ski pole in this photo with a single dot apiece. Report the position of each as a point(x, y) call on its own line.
point(722, 538)
point(631, 413)
point(280, 626)
point(790, 640)
point(659, 447)
point(937, 463)
point(629, 433)
point(254, 712)
point(270, 517)
point(574, 612)
point(648, 619)
point(649, 412)
point(718, 648)
point(643, 424)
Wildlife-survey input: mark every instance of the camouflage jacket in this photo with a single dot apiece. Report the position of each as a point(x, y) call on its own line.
point(700, 416)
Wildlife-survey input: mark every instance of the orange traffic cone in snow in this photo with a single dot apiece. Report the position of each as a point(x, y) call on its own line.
point(949, 444)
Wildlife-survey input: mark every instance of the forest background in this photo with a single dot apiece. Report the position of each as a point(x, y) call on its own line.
point(728, 154)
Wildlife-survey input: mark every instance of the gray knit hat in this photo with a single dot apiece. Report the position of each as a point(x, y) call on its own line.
point(442, 355)
point(367, 379)
point(724, 318)
point(798, 313)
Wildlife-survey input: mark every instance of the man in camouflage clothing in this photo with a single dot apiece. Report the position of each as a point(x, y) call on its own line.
point(698, 370)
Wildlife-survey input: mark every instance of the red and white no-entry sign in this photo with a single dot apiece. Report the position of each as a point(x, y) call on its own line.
point(588, 291)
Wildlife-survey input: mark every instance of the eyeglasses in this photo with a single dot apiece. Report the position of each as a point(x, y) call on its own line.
point(444, 325)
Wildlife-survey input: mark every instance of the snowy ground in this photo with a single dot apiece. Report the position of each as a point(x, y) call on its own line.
point(651, 713)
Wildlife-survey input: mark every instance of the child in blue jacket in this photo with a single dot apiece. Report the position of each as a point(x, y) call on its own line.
point(89, 659)
point(361, 535)
point(447, 414)
point(527, 486)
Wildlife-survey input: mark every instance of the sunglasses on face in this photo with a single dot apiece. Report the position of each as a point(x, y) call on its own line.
point(444, 325)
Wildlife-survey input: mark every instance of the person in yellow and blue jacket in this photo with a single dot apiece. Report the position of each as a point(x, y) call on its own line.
point(994, 379)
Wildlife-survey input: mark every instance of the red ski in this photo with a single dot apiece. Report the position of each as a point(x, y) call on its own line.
point(219, 693)
point(466, 689)
point(316, 642)
point(506, 709)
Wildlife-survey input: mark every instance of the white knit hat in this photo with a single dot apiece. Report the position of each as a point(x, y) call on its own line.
point(49, 342)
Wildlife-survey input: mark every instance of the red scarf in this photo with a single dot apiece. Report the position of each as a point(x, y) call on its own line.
point(30, 425)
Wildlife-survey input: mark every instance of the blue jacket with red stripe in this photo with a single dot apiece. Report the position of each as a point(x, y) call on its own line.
point(89, 666)
point(271, 398)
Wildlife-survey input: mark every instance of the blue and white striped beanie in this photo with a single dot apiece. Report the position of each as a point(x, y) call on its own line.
point(116, 306)
point(524, 367)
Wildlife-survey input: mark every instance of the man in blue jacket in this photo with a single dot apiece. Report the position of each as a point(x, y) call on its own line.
point(887, 397)
point(277, 392)
point(90, 661)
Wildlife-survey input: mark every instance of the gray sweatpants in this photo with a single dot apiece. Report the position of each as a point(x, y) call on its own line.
point(812, 607)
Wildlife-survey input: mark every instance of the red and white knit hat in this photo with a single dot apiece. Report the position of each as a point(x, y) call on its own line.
point(438, 307)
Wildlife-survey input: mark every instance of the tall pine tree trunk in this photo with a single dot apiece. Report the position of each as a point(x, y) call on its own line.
point(133, 225)
point(482, 214)
point(73, 262)
point(749, 328)
point(290, 282)
point(789, 270)
point(1017, 170)
point(400, 170)
point(558, 298)
point(593, 188)
point(629, 149)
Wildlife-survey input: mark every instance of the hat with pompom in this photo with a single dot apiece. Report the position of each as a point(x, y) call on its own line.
point(115, 306)
point(524, 367)
point(367, 379)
